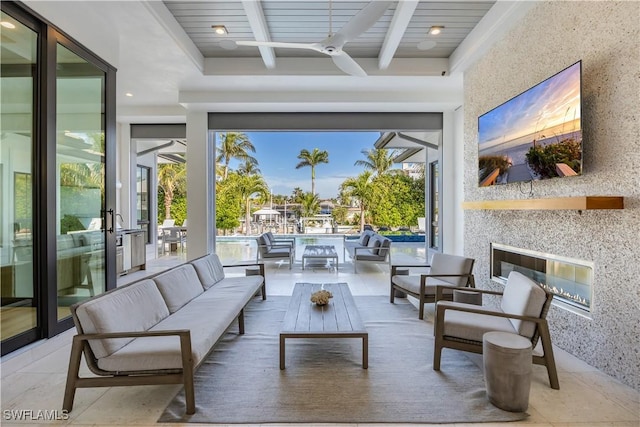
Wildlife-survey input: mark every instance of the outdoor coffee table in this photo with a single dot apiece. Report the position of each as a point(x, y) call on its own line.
point(324, 252)
point(338, 319)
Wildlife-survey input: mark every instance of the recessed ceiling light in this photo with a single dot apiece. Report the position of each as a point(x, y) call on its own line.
point(435, 30)
point(129, 94)
point(7, 24)
point(220, 30)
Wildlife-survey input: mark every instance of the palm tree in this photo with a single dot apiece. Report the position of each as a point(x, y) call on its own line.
point(310, 204)
point(170, 176)
point(297, 194)
point(378, 160)
point(248, 168)
point(234, 145)
point(361, 189)
point(312, 159)
point(247, 186)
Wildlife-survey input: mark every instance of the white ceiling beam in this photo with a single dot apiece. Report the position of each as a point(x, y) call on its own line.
point(175, 30)
point(306, 66)
point(503, 16)
point(399, 22)
point(258, 24)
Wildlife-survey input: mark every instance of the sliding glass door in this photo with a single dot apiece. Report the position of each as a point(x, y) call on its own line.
point(57, 147)
point(80, 179)
point(18, 84)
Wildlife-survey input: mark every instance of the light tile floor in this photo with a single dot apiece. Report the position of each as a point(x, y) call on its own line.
point(34, 378)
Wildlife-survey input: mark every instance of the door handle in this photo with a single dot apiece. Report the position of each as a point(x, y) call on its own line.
point(113, 219)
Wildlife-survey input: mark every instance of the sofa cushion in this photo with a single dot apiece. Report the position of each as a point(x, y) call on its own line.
point(471, 326)
point(376, 244)
point(206, 316)
point(278, 253)
point(178, 286)
point(412, 284)
point(364, 238)
point(209, 270)
point(386, 243)
point(451, 264)
point(270, 237)
point(524, 297)
point(142, 304)
point(263, 244)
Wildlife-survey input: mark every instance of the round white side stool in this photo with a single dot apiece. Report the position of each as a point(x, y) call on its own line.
point(507, 370)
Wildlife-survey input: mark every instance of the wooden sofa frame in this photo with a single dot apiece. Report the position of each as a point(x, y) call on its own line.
point(183, 376)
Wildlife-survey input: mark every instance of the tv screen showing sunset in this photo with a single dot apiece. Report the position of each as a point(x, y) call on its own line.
point(535, 135)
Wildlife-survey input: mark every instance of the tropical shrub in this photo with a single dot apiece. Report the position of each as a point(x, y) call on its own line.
point(488, 164)
point(543, 159)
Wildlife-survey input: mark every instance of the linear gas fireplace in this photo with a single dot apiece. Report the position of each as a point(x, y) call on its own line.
point(570, 280)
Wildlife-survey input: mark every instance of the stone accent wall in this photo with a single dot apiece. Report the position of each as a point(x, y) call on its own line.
point(552, 36)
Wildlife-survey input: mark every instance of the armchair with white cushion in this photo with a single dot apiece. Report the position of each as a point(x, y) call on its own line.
point(450, 270)
point(523, 309)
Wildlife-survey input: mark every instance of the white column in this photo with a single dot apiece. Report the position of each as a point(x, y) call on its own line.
point(125, 160)
point(453, 182)
point(200, 186)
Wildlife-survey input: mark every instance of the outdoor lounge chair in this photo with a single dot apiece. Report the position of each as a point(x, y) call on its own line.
point(270, 248)
point(450, 270)
point(523, 311)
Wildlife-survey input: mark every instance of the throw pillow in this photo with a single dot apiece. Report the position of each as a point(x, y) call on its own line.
point(364, 240)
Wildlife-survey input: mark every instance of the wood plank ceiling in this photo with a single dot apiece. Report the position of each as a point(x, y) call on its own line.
point(308, 21)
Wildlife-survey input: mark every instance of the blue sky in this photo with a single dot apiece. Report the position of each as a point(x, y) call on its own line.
point(277, 154)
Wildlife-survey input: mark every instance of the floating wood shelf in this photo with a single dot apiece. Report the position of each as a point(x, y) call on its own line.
point(557, 203)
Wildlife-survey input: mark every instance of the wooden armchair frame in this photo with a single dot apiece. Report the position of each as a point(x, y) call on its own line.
point(541, 331)
point(422, 298)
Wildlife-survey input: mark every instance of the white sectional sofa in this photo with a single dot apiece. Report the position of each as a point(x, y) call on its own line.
point(158, 330)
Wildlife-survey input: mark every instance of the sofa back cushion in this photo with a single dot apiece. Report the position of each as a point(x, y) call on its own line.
point(384, 243)
point(451, 264)
point(270, 238)
point(133, 308)
point(524, 297)
point(209, 270)
point(178, 286)
point(263, 244)
point(364, 237)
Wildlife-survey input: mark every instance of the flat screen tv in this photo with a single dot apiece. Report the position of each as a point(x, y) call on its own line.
point(535, 135)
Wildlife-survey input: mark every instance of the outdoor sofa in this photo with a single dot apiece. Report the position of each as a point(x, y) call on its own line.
point(367, 247)
point(158, 330)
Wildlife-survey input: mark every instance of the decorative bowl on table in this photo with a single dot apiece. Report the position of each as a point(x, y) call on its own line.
point(321, 297)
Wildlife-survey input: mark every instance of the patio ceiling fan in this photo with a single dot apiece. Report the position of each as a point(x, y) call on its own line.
point(333, 44)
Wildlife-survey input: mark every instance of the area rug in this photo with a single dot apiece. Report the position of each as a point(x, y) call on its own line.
point(241, 382)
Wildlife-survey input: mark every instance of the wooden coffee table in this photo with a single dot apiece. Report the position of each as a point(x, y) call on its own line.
point(338, 319)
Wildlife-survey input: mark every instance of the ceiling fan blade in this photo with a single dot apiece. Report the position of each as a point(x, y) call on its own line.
point(312, 46)
point(348, 64)
point(360, 23)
